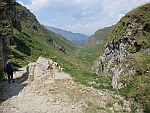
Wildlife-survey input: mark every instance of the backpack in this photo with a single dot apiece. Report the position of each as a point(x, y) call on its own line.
point(9, 67)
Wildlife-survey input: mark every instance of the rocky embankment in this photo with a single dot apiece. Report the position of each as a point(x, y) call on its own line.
point(115, 61)
point(42, 87)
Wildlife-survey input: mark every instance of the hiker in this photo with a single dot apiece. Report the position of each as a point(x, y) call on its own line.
point(9, 69)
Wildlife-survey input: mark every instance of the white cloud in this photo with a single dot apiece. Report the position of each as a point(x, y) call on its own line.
point(77, 8)
point(96, 13)
point(88, 28)
point(51, 24)
point(120, 16)
point(21, 3)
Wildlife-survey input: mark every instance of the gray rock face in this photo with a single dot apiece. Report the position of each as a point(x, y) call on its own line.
point(113, 62)
point(41, 68)
point(7, 12)
point(45, 67)
point(148, 50)
point(92, 42)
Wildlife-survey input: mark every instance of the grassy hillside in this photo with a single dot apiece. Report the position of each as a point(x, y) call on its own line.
point(31, 39)
point(138, 22)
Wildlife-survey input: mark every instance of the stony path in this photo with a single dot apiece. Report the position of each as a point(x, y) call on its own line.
point(56, 94)
point(42, 87)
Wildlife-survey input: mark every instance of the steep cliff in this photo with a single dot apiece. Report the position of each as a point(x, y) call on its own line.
point(7, 14)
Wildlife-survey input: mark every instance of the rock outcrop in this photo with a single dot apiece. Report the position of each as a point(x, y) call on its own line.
point(6, 31)
point(52, 41)
point(44, 67)
point(41, 68)
point(119, 57)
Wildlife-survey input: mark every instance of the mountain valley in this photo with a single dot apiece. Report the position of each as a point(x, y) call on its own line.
point(108, 72)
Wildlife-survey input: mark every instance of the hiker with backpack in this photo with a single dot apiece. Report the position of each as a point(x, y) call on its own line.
point(9, 70)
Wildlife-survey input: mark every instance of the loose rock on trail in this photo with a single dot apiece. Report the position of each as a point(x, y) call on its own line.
point(54, 91)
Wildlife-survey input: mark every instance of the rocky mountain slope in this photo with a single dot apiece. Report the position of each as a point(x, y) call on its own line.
point(21, 34)
point(5, 31)
point(126, 55)
point(75, 38)
point(98, 38)
point(42, 86)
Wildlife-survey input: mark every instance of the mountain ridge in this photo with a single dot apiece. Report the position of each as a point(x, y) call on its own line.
point(75, 38)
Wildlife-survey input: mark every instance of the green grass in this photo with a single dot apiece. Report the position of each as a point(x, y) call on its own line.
point(133, 108)
point(87, 54)
point(142, 60)
point(109, 104)
point(138, 89)
point(92, 108)
point(120, 102)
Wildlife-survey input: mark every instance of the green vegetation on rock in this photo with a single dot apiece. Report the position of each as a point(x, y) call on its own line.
point(137, 24)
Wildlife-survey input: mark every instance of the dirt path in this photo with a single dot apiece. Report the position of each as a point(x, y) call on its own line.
point(56, 94)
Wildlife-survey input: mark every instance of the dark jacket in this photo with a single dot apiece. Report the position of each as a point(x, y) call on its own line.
point(9, 68)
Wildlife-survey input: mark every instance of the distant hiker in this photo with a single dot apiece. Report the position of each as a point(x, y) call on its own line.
point(9, 69)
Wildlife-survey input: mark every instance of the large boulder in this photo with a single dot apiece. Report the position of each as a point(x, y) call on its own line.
point(41, 68)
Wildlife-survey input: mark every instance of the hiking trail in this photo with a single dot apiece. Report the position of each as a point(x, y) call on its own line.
point(56, 93)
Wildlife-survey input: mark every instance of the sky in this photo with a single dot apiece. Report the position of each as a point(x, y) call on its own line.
point(80, 16)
